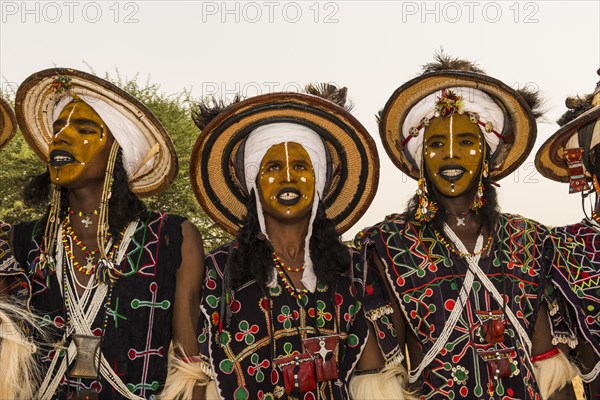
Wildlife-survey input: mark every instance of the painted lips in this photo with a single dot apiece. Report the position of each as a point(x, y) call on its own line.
point(452, 173)
point(288, 196)
point(58, 158)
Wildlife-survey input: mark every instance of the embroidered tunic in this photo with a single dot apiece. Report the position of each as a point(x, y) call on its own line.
point(576, 274)
point(427, 278)
point(137, 312)
point(269, 324)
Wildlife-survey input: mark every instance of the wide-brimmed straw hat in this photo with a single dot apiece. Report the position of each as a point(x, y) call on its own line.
point(8, 122)
point(39, 94)
point(550, 159)
point(353, 156)
point(519, 124)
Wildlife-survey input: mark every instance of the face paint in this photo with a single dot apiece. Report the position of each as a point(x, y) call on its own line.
point(457, 144)
point(286, 182)
point(452, 139)
point(77, 152)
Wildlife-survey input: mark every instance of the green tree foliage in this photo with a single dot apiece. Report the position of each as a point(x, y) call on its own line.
point(19, 163)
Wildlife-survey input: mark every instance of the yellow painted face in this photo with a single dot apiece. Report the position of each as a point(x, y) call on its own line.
point(453, 154)
point(79, 150)
point(286, 182)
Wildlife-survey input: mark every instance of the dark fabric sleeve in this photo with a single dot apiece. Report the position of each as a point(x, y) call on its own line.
point(562, 319)
point(377, 305)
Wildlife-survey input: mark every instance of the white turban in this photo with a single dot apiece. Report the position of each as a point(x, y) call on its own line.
point(137, 151)
point(474, 100)
point(256, 146)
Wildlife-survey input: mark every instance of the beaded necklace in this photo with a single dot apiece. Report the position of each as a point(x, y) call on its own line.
point(279, 261)
point(89, 342)
point(87, 221)
point(289, 287)
point(595, 216)
point(69, 236)
point(448, 246)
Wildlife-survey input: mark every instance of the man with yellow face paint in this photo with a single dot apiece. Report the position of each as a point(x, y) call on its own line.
point(466, 281)
point(286, 173)
point(112, 282)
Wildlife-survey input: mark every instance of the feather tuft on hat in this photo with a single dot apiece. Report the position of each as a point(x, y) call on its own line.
point(445, 62)
point(330, 92)
point(576, 105)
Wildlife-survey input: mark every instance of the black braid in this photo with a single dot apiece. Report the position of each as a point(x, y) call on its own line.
point(123, 207)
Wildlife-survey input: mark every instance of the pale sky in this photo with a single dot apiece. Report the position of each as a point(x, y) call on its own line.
point(220, 48)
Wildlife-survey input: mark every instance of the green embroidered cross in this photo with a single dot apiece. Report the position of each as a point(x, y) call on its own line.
point(115, 314)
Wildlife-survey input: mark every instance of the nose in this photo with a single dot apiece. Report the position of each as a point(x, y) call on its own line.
point(452, 150)
point(63, 136)
point(288, 174)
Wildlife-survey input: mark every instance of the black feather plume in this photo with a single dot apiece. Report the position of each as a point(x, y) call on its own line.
point(577, 105)
point(445, 62)
point(208, 108)
point(534, 100)
point(330, 92)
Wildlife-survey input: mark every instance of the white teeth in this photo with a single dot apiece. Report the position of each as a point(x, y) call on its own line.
point(288, 196)
point(452, 172)
point(62, 158)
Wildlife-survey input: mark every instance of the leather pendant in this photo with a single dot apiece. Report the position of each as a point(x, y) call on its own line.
point(498, 362)
point(493, 325)
point(86, 362)
point(323, 349)
point(493, 330)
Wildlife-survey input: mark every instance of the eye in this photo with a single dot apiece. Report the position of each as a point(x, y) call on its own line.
point(467, 142)
point(274, 167)
point(299, 167)
point(87, 131)
point(436, 145)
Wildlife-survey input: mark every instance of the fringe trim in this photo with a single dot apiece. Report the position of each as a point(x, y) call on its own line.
point(553, 374)
point(389, 384)
point(592, 375)
point(375, 314)
point(211, 391)
point(564, 339)
point(553, 308)
point(20, 373)
point(395, 360)
point(184, 377)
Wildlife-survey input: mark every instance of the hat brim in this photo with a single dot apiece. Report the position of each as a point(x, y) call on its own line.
point(550, 158)
point(34, 106)
point(8, 122)
point(353, 155)
point(522, 121)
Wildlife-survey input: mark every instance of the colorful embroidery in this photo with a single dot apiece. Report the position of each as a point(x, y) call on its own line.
point(138, 334)
point(576, 275)
point(242, 365)
point(427, 279)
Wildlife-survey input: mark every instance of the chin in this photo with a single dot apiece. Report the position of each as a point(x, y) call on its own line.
point(294, 215)
point(67, 178)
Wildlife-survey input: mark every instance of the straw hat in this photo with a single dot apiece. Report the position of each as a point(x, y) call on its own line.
point(583, 116)
point(519, 124)
point(8, 122)
point(354, 162)
point(39, 94)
